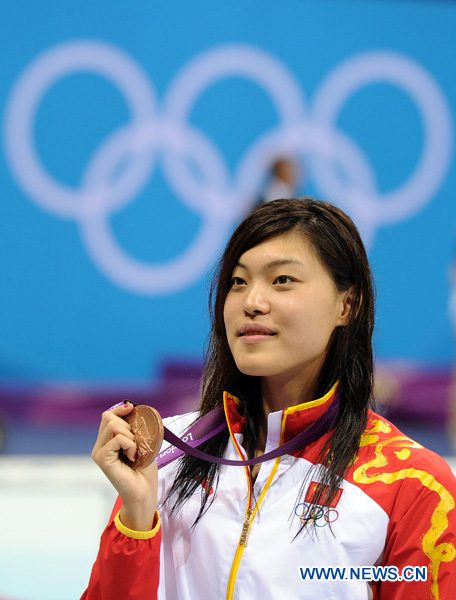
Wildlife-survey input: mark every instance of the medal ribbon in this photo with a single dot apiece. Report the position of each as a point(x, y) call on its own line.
point(214, 422)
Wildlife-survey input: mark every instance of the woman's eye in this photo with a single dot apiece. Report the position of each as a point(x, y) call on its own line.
point(237, 281)
point(283, 279)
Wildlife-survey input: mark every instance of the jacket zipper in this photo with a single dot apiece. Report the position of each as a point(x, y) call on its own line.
point(250, 513)
point(246, 527)
point(242, 540)
point(249, 516)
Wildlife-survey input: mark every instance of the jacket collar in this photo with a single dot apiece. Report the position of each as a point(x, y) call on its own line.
point(294, 418)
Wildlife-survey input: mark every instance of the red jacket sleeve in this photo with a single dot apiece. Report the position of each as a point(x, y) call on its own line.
point(128, 563)
point(422, 533)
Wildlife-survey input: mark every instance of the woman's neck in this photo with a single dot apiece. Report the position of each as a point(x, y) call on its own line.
point(278, 395)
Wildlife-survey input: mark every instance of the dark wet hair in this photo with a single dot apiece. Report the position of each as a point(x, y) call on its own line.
point(349, 359)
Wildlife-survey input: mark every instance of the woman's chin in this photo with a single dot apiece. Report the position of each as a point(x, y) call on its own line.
point(255, 370)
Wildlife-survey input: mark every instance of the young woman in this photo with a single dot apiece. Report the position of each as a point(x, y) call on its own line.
point(292, 318)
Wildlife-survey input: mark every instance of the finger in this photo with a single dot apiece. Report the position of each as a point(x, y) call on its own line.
point(115, 414)
point(108, 453)
point(113, 427)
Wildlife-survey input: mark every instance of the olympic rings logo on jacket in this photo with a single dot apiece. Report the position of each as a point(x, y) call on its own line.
point(321, 515)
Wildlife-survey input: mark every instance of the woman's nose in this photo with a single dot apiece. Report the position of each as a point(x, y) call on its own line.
point(255, 301)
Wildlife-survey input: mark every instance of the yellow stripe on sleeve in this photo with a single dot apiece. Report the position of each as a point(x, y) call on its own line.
point(138, 535)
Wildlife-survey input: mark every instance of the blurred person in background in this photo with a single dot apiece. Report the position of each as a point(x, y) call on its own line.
point(290, 353)
point(283, 181)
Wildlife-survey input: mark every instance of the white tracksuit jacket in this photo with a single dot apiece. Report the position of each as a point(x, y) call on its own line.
point(395, 508)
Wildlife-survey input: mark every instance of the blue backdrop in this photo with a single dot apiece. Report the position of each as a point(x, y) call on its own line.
point(136, 135)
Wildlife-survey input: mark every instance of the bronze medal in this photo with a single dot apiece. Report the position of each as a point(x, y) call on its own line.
point(147, 427)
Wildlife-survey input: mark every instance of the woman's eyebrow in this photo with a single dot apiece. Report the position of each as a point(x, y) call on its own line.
point(282, 262)
point(274, 263)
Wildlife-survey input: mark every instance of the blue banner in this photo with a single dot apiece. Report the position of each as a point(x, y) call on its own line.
point(135, 136)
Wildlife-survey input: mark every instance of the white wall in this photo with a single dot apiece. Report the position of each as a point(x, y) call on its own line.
point(53, 511)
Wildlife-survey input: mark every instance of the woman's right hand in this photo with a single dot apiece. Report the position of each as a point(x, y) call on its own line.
point(138, 489)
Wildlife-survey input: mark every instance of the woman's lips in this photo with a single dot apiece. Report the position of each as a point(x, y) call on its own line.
point(254, 338)
point(253, 333)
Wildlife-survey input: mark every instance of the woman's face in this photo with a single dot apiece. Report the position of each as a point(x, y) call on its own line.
point(281, 310)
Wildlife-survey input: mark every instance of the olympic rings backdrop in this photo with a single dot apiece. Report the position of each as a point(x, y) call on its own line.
point(135, 136)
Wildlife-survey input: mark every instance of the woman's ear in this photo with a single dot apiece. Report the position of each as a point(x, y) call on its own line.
point(348, 300)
